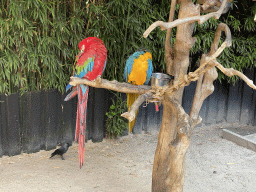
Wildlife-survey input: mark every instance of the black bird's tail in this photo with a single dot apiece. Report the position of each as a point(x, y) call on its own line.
point(54, 153)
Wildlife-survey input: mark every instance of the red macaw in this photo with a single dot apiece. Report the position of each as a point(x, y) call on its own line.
point(91, 63)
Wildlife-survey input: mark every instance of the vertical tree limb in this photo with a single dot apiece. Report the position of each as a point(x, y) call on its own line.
point(168, 46)
point(205, 83)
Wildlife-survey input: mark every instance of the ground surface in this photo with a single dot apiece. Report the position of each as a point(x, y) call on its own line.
point(124, 165)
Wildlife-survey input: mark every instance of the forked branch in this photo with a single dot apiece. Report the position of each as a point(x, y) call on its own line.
point(230, 72)
point(205, 81)
point(199, 19)
point(130, 115)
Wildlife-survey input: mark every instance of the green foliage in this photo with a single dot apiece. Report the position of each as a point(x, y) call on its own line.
point(242, 53)
point(39, 39)
point(115, 124)
point(38, 43)
point(121, 24)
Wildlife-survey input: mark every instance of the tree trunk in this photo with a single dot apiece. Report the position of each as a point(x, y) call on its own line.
point(169, 162)
point(168, 168)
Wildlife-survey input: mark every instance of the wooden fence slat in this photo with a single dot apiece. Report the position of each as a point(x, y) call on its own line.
point(43, 118)
point(66, 110)
point(188, 96)
point(3, 127)
point(13, 125)
point(90, 113)
point(51, 123)
point(59, 118)
point(99, 115)
point(137, 129)
point(152, 123)
point(31, 122)
point(213, 102)
point(222, 96)
point(246, 105)
point(234, 102)
point(253, 112)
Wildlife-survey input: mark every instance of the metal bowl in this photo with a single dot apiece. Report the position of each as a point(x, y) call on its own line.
point(160, 79)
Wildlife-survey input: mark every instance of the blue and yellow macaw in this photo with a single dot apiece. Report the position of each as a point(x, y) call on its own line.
point(138, 71)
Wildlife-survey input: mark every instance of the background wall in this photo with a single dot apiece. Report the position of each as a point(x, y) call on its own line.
point(41, 120)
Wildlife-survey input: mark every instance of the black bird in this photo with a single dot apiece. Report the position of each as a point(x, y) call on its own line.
point(61, 151)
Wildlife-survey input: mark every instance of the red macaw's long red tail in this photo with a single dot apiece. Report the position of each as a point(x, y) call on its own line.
point(81, 121)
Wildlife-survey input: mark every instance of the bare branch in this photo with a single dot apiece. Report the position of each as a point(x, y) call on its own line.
point(112, 85)
point(200, 19)
point(230, 72)
point(203, 89)
point(205, 82)
point(221, 27)
point(130, 115)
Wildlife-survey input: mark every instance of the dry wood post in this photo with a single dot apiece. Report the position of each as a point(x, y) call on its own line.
point(177, 125)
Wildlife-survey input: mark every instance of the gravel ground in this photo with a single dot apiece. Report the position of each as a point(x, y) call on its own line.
point(125, 164)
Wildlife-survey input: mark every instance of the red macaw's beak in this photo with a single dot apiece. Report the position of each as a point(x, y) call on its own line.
point(80, 53)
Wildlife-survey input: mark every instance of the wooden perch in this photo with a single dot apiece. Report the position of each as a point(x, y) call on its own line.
point(130, 115)
point(200, 19)
point(230, 72)
point(112, 85)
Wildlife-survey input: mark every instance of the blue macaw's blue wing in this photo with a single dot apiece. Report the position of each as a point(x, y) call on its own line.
point(129, 64)
point(149, 71)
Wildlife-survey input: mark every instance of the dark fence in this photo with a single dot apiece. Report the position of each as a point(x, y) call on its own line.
point(41, 120)
point(228, 104)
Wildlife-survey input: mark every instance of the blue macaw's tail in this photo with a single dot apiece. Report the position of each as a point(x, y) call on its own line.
point(81, 121)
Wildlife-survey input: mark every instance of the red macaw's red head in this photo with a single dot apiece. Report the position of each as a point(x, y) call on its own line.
point(86, 42)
